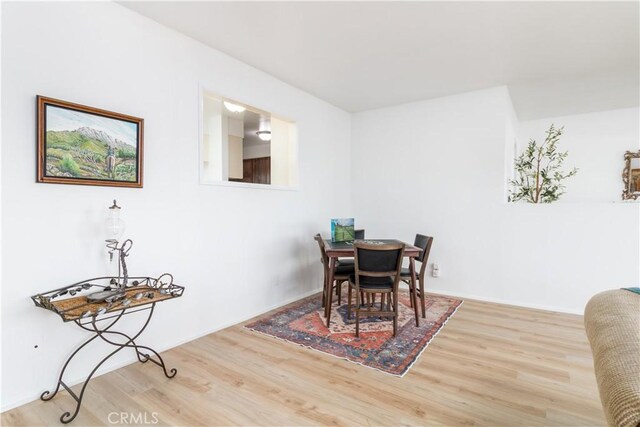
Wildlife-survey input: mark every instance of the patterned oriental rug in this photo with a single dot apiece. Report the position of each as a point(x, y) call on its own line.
point(303, 322)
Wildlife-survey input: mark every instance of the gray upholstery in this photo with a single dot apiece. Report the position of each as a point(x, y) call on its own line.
point(373, 282)
point(423, 242)
point(359, 235)
point(344, 270)
point(373, 260)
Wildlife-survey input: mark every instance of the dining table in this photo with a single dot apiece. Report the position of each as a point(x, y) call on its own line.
point(337, 250)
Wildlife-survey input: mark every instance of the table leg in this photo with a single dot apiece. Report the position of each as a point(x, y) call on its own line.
point(101, 333)
point(412, 268)
point(142, 357)
point(47, 395)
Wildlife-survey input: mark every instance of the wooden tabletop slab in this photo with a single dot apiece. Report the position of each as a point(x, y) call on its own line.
point(345, 249)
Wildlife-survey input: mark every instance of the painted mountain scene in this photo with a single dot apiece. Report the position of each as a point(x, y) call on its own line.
point(88, 146)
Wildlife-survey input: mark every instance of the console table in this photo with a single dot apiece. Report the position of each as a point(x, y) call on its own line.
point(141, 294)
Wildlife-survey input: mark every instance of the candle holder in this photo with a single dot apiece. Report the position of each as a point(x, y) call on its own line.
point(115, 226)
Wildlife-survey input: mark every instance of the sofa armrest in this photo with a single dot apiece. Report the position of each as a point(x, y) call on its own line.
point(612, 322)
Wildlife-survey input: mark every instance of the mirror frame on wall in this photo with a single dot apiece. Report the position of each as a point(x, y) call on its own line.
point(205, 92)
point(627, 194)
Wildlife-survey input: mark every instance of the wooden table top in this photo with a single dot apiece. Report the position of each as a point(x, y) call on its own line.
point(73, 308)
point(145, 291)
point(345, 249)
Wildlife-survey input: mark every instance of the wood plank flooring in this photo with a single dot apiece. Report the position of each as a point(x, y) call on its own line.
point(491, 365)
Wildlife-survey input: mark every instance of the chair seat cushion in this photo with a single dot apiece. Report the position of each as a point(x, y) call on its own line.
point(346, 261)
point(344, 270)
point(367, 282)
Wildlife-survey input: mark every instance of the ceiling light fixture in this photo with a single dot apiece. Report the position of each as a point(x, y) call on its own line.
point(234, 108)
point(264, 135)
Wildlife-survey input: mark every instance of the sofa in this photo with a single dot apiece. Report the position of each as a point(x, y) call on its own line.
point(612, 322)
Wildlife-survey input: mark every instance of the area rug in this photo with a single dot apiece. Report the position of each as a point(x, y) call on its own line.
point(303, 322)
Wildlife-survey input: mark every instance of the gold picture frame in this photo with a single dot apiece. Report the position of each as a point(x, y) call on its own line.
point(84, 145)
point(631, 176)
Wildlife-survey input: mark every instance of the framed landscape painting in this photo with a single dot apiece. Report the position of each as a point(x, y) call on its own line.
point(88, 146)
point(343, 230)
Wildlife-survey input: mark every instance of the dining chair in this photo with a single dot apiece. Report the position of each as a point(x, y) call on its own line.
point(341, 274)
point(423, 242)
point(377, 271)
point(358, 235)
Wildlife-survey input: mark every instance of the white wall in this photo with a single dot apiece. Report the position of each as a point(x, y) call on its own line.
point(596, 143)
point(283, 153)
point(214, 150)
point(256, 151)
point(233, 262)
point(235, 157)
point(437, 167)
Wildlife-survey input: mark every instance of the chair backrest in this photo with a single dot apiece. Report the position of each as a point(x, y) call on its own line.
point(323, 252)
point(359, 234)
point(378, 260)
point(423, 242)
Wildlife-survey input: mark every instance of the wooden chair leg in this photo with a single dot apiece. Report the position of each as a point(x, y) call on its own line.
point(349, 302)
point(329, 298)
point(411, 291)
point(357, 314)
point(395, 313)
point(324, 290)
point(422, 299)
point(339, 292)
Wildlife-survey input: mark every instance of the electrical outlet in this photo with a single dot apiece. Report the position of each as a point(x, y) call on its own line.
point(436, 270)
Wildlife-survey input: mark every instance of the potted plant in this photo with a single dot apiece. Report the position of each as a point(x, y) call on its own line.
point(539, 174)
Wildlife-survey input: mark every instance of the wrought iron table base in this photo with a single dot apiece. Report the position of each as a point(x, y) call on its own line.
point(142, 356)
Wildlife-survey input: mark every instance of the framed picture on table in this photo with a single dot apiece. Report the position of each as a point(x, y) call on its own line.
point(343, 230)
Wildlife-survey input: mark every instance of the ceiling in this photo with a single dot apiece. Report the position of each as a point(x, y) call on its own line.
point(556, 57)
point(254, 122)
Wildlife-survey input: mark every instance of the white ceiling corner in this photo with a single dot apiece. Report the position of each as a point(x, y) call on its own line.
point(556, 58)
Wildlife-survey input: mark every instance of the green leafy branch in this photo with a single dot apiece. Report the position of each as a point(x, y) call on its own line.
point(539, 175)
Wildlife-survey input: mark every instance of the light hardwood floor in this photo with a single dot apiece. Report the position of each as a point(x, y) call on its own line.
point(491, 365)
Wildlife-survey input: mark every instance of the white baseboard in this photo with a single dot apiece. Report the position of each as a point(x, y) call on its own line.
point(505, 301)
point(100, 372)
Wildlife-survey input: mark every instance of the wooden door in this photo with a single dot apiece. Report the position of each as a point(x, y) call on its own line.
point(262, 170)
point(247, 170)
point(257, 171)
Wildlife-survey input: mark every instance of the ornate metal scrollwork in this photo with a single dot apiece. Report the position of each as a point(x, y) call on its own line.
point(629, 193)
